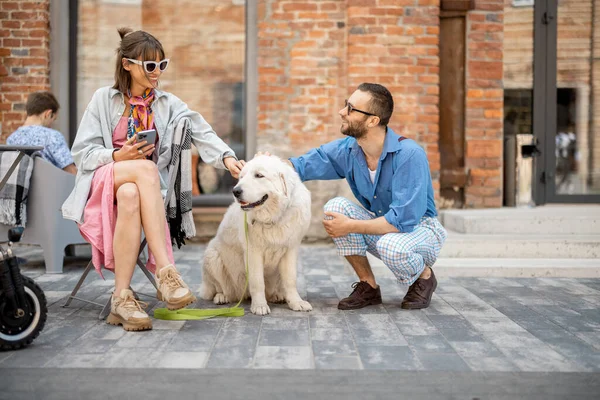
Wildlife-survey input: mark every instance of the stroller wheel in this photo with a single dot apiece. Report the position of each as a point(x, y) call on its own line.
point(19, 329)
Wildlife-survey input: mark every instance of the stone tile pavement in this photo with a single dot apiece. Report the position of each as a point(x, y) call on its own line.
point(473, 325)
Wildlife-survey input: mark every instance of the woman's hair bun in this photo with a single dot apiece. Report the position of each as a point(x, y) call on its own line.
point(124, 31)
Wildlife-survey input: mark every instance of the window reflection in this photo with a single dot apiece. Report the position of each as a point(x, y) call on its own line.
point(205, 41)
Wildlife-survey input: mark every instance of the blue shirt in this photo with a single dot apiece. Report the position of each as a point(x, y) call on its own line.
point(402, 192)
point(55, 150)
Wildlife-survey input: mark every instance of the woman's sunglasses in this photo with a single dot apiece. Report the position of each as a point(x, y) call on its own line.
point(150, 66)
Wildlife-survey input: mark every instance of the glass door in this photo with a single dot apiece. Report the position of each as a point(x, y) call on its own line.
point(518, 101)
point(570, 162)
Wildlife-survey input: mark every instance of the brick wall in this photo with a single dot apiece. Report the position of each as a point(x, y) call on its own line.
point(312, 55)
point(484, 104)
point(395, 43)
point(595, 123)
point(24, 58)
point(302, 73)
point(308, 66)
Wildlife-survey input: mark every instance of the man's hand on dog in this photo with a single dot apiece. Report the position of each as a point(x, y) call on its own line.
point(266, 153)
point(338, 225)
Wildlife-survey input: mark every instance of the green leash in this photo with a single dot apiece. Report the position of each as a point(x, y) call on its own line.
point(199, 313)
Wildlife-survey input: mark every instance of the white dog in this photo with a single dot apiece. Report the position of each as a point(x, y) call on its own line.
point(278, 214)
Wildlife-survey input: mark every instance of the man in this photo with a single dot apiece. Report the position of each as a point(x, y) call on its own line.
point(389, 175)
point(42, 109)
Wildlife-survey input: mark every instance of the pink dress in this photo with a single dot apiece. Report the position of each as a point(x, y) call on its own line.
point(100, 214)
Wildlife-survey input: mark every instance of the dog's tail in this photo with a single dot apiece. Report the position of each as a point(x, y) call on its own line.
point(207, 291)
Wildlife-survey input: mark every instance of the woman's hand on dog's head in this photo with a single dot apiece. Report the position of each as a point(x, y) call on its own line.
point(234, 166)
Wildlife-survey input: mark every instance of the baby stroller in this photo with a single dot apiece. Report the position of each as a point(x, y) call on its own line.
point(23, 308)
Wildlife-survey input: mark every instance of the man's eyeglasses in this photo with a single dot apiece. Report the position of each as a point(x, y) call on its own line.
point(150, 66)
point(351, 108)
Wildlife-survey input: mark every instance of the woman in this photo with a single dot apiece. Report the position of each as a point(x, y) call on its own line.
point(120, 181)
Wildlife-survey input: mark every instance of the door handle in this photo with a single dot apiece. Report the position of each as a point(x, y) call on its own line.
point(530, 150)
point(547, 18)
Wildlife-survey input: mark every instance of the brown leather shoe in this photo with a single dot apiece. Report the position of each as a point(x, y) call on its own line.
point(419, 293)
point(363, 295)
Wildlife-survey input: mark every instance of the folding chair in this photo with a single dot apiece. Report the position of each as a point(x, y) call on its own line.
point(106, 307)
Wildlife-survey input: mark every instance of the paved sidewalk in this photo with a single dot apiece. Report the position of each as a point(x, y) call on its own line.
point(483, 324)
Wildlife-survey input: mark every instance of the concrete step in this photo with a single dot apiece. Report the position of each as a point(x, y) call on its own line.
point(544, 220)
point(207, 220)
point(519, 267)
point(507, 267)
point(521, 246)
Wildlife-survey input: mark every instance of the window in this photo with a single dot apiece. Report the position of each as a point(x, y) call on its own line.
point(206, 43)
point(523, 3)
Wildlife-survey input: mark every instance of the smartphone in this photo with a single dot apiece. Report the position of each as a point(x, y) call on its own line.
point(149, 136)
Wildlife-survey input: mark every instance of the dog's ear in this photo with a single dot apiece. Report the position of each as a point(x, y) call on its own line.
point(284, 188)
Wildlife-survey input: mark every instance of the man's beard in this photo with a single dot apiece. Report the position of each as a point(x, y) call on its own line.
point(355, 130)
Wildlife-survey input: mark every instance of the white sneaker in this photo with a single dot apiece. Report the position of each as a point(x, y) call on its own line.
point(127, 311)
point(172, 289)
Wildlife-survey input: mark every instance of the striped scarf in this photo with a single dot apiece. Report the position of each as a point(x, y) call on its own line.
point(14, 194)
point(179, 194)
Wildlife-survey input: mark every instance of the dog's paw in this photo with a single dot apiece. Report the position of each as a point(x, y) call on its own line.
point(220, 298)
point(277, 298)
point(300, 306)
point(260, 309)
